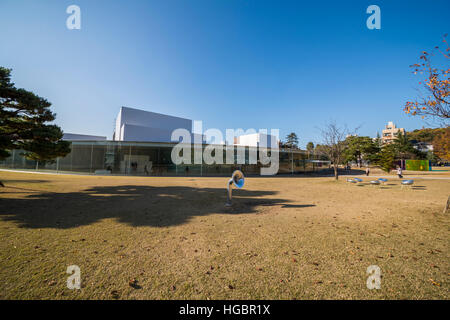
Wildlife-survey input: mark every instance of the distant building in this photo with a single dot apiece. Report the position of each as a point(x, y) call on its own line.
point(81, 137)
point(142, 146)
point(422, 146)
point(139, 125)
point(389, 132)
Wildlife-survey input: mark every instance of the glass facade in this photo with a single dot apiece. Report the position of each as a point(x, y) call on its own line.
point(154, 159)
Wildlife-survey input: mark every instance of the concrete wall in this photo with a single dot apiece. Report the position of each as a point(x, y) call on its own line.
point(139, 133)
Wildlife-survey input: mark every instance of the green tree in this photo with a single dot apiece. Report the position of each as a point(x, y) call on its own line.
point(359, 149)
point(404, 149)
point(23, 124)
point(378, 141)
point(292, 140)
point(386, 157)
point(432, 157)
point(310, 147)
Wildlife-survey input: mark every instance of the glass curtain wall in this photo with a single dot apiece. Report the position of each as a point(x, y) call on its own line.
point(154, 159)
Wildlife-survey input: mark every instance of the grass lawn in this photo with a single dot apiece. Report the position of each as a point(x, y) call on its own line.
point(284, 238)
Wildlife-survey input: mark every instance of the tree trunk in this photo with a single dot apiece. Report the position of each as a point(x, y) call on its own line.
point(448, 205)
point(335, 172)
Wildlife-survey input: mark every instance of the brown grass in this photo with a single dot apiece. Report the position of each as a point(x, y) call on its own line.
point(284, 238)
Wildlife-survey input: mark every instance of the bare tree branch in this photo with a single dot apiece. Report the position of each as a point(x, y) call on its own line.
point(333, 138)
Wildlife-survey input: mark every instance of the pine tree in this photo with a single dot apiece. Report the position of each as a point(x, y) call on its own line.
point(292, 140)
point(378, 141)
point(359, 149)
point(23, 124)
point(404, 148)
point(386, 158)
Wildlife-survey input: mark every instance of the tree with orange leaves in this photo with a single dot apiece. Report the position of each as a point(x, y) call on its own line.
point(441, 145)
point(434, 104)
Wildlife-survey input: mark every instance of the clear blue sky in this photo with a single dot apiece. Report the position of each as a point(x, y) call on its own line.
point(290, 65)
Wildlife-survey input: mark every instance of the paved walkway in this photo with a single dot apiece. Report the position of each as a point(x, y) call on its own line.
point(390, 177)
point(396, 178)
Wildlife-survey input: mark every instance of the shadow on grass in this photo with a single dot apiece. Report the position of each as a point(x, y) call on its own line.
point(319, 174)
point(297, 205)
point(366, 184)
point(18, 188)
point(7, 182)
point(133, 205)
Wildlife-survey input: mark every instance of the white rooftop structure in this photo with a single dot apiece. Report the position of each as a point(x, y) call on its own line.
point(139, 125)
point(81, 137)
point(255, 139)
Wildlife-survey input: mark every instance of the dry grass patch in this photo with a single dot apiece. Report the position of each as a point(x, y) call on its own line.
point(173, 238)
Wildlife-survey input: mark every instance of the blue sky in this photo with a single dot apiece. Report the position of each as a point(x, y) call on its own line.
point(289, 65)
